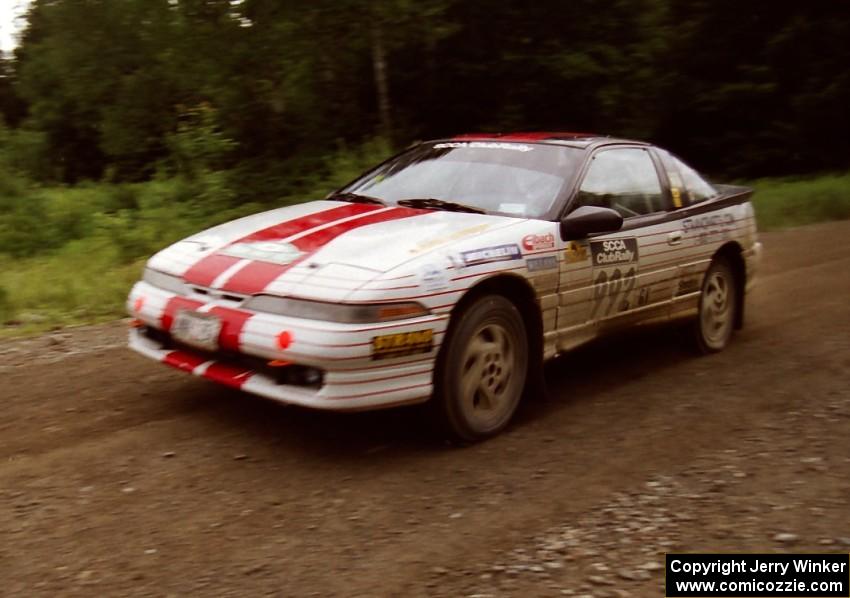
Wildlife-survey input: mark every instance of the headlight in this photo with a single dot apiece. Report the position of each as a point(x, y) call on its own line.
point(336, 312)
point(166, 282)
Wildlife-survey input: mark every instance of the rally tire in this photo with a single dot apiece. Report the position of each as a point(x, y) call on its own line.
point(482, 370)
point(718, 306)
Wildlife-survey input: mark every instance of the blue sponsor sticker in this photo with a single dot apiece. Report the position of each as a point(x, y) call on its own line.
point(541, 263)
point(499, 253)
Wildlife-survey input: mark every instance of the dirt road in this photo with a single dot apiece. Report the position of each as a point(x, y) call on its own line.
point(122, 477)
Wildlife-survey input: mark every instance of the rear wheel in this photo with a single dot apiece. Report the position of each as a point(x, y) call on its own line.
point(717, 308)
point(483, 370)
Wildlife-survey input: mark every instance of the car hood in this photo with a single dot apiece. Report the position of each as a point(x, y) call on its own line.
point(277, 251)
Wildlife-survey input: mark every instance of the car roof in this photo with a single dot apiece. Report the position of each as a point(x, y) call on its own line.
point(569, 138)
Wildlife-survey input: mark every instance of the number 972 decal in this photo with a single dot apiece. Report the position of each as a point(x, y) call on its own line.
point(615, 271)
point(614, 291)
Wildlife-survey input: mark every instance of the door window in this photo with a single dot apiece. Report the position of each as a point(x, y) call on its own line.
point(624, 180)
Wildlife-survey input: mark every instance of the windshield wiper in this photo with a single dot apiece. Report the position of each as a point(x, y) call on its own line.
point(439, 204)
point(354, 198)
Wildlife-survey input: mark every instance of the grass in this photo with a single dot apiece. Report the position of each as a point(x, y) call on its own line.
point(82, 248)
point(785, 202)
point(70, 255)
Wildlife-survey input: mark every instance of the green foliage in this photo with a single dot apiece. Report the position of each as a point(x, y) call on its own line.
point(780, 203)
point(133, 123)
point(70, 254)
point(198, 147)
point(743, 87)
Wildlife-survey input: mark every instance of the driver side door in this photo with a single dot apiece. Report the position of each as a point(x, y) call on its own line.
point(627, 275)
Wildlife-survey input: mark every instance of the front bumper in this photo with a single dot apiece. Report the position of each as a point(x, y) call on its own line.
point(353, 378)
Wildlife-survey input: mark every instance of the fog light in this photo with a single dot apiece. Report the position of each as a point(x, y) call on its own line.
point(312, 376)
point(300, 375)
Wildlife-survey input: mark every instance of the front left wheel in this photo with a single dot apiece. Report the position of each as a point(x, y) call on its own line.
point(483, 369)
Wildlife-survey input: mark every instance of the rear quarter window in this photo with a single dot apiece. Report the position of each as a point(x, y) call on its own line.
point(687, 186)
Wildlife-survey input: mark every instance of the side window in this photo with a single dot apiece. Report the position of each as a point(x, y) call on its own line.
point(686, 184)
point(624, 180)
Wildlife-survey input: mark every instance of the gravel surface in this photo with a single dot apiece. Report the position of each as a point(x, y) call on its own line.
point(121, 477)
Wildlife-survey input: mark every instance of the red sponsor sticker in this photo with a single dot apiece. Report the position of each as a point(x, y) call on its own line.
point(538, 242)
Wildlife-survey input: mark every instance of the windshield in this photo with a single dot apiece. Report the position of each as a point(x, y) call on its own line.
point(512, 179)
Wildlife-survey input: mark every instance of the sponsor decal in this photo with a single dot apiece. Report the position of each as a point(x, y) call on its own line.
point(538, 242)
point(389, 346)
point(614, 252)
point(615, 264)
point(455, 236)
point(537, 264)
point(275, 252)
point(517, 147)
point(707, 221)
point(709, 228)
point(575, 252)
point(485, 255)
point(433, 278)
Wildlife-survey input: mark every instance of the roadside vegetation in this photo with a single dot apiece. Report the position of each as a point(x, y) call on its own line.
point(69, 255)
point(204, 110)
point(784, 202)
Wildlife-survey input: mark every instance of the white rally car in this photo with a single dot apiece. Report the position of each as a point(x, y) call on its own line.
point(449, 273)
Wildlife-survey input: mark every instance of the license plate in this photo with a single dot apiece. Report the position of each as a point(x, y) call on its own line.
point(198, 330)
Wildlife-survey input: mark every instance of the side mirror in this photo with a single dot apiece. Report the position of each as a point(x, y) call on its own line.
point(585, 220)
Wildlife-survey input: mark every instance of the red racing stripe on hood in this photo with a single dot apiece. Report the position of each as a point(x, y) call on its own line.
point(207, 269)
point(256, 276)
